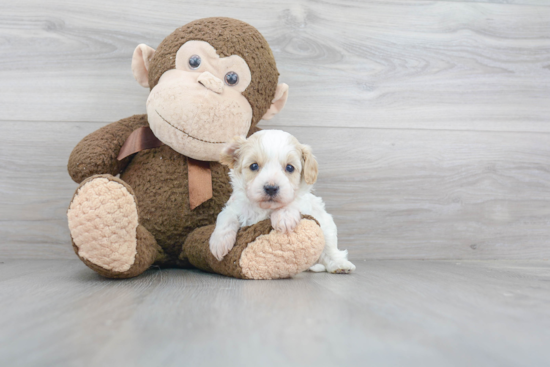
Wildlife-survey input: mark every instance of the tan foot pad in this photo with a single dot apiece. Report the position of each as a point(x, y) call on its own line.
point(103, 220)
point(278, 255)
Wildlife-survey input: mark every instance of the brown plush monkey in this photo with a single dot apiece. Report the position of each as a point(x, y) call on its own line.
point(210, 80)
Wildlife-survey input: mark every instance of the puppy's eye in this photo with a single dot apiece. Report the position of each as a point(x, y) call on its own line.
point(289, 168)
point(254, 167)
point(231, 78)
point(194, 61)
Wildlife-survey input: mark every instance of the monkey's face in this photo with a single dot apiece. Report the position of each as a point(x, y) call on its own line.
point(211, 80)
point(198, 107)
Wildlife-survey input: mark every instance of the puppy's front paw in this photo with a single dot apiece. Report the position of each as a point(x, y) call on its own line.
point(285, 219)
point(340, 267)
point(221, 242)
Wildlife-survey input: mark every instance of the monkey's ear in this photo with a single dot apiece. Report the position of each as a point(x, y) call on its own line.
point(311, 168)
point(281, 95)
point(230, 152)
point(140, 64)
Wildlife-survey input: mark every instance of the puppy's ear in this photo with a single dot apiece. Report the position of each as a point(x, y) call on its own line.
point(230, 152)
point(311, 168)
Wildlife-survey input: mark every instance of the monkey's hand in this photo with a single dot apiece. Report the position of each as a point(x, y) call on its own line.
point(285, 219)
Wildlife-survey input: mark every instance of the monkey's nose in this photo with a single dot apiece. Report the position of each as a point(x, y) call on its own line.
point(211, 82)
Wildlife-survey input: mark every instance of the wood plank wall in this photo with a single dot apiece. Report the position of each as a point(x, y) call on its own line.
point(430, 119)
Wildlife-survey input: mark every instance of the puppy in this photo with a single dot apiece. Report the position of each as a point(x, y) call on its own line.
point(272, 176)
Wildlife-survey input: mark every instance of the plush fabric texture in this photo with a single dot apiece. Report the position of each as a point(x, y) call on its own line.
point(140, 139)
point(195, 123)
point(105, 232)
point(229, 37)
point(159, 178)
point(278, 255)
point(157, 225)
point(147, 253)
point(103, 220)
point(211, 82)
point(259, 251)
point(97, 153)
point(199, 177)
point(140, 63)
point(197, 249)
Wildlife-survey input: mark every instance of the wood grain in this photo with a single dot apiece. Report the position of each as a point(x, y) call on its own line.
point(508, 2)
point(384, 64)
point(389, 313)
point(395, 194)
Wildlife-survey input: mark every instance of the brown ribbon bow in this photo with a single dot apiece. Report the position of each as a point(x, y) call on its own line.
point(199, 173)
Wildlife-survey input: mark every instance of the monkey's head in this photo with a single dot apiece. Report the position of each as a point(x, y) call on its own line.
point(210, 80)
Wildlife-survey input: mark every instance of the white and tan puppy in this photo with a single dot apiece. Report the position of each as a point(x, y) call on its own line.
point(272, 176)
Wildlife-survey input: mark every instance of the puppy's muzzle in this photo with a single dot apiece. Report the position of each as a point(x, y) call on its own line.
point(271, 190)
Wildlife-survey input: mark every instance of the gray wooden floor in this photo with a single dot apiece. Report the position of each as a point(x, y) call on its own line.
point(431, 124)
point(389, 313)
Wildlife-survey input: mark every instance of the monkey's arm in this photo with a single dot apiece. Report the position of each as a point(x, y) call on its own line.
point(259, 251)
point(97, 153)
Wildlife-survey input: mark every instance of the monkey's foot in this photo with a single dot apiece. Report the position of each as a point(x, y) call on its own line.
point(107, 237)
point(259, 252)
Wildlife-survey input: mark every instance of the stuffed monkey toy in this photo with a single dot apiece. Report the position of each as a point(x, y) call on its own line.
point(209, 81)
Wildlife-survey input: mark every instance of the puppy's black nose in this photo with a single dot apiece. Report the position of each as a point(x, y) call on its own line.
point(271, 190)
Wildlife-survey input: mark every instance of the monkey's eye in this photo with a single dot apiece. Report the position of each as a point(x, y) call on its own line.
point(194, 61)
point(231, 78)
point(254, 167)
point(289, 168)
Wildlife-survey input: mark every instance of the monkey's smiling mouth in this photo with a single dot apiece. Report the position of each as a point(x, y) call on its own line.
point(186, 133)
